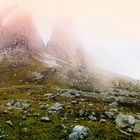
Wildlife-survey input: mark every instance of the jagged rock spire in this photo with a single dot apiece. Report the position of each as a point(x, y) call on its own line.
point(19, 37)
point(64, 44)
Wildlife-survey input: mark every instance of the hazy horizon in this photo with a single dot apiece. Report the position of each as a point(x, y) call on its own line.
point(109, 30)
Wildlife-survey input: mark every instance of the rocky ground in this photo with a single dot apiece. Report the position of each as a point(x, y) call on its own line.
point(46, 112)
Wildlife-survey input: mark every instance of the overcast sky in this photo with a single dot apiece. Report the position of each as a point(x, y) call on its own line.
point(109, 29)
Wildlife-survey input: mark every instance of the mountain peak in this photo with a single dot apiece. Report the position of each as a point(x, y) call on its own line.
point(19, 36)
point(64, 44)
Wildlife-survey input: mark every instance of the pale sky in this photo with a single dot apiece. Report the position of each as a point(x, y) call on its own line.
point(109, 29)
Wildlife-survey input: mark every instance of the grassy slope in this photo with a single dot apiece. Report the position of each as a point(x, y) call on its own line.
point(33, 92)
point(52, 130)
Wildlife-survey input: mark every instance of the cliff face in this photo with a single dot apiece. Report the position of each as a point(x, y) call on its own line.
point(64, 45)
point(19, 37)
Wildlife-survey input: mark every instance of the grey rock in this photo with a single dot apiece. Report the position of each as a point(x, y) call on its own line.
point(44, 106)
point(138, 116)
point(21, 105)
point(109, 115)
point(84, 113)
point(113, 110)
point(102, 116)
point(102, 120)
point(91, 117)
point(113, 105)
point(137, 127)
point(56, 107)
point(79, 133)
point(70, 93)
point(18, 105)
point(81, 113)
point(125, 122)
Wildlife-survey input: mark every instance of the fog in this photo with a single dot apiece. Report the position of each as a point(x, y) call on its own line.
point(109, 30)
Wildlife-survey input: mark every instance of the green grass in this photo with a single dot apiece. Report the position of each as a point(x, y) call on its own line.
point(33, 129)
point(21, 87)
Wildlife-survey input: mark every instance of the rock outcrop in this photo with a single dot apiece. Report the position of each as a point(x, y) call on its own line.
point(79, 133)
point(64, 45)
point(19, 38)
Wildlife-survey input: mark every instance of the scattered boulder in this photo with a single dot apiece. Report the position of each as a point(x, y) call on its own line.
point(109, 115)
point(44, 106)
point(56, 107)
point(18, 105)
point(21, 105)
point(84, 113)
point(113, 105)
point(125, 123)
point(45, 119)
point(70, 93)
point(137, 127)
point(91, 117)
point(102, 120)
point(79, 133)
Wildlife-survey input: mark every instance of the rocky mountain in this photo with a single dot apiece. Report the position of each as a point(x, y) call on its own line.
point(18, 36)
point(46, 98)
point(22, 55)
point(64, 44)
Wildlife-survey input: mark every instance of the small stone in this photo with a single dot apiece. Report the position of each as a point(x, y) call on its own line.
point(113, 105)
point(113, 110)
point(102, 120)
point(102, 116)
point(74, 102)
point(56, 107)
point(79, 133)
point(9, 104)
point(137, 127)
point(92, 118)
point(44, 106)
point(24, 118)
point(109, 115)
point(25, 112)
point(48, 95)
point(45, 119)
point(9, 123)
point(70, 93)
point(81, 113)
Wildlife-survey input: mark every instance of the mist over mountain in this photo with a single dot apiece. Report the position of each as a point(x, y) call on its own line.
point(49, 93)
point(64, 44)
point(19, 36)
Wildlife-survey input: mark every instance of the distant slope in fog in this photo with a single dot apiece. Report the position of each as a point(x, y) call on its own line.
point(23, 57)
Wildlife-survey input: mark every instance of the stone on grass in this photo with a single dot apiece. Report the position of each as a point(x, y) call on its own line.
point(9, 123)
point(45, 119)
point(79, 133)
point(109, 115)
point(137, 127)
point(125, 123)
point(56, 107)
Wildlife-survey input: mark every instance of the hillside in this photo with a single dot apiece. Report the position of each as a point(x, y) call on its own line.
point(46, 98)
